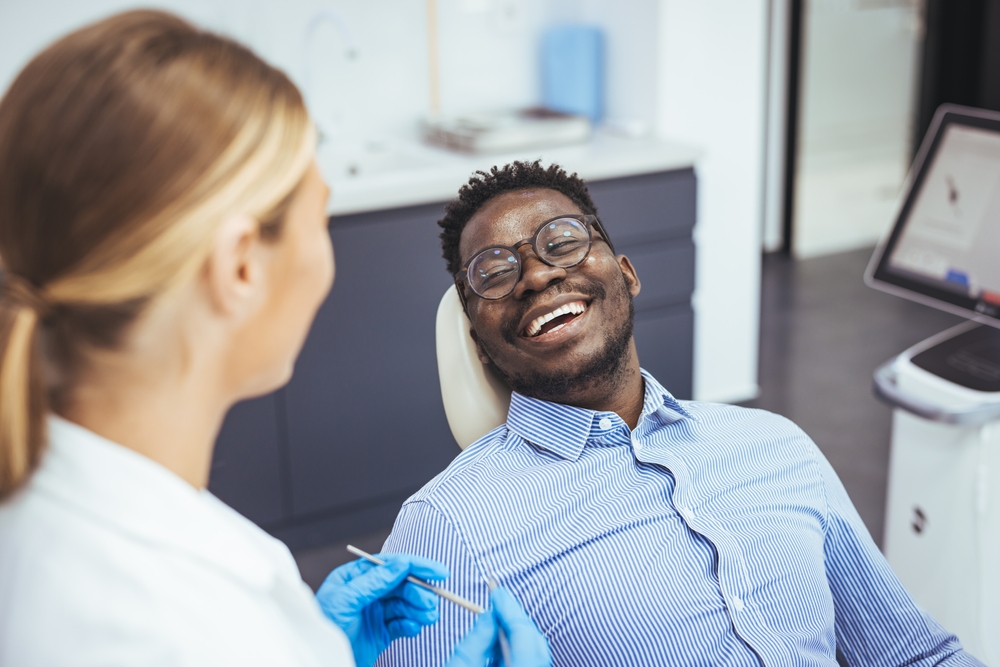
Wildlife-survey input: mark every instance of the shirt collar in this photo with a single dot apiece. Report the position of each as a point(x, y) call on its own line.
point(658, 401)
point(564, 429)
point(133, 494)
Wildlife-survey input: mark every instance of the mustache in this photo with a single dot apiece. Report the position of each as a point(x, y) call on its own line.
point(593, 290)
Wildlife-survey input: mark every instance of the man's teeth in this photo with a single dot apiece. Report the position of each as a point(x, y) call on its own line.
point(576, 308)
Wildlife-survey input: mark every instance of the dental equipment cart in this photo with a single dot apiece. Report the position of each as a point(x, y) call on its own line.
point(942, 534)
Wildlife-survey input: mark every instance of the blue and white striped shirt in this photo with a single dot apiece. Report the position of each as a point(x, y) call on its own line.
point(710, 534)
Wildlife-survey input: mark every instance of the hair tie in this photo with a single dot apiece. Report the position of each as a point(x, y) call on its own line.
point(24, 293)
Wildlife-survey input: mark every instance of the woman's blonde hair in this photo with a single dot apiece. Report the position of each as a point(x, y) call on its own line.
point(122, 147)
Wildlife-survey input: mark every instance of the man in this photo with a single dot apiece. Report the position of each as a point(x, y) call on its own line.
point(635, 529)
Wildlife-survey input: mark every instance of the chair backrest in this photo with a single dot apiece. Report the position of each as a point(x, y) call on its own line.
point(475, 400)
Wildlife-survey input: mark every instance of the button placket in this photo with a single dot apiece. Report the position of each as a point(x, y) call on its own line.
point(731, 571)
point(723, 541)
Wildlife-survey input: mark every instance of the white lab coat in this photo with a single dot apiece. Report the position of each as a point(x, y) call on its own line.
point(107, 558)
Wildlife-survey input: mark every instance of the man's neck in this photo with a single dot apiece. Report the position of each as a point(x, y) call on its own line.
point(617, 387)
point(631, 401)
point(624, 397)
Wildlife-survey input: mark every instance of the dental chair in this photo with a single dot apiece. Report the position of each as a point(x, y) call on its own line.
point(475, 400)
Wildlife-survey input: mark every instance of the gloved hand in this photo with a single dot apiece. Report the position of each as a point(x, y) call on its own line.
point(528, 647)
point(373, 604)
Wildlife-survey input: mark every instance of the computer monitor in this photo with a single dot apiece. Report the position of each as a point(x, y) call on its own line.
point(944, 249)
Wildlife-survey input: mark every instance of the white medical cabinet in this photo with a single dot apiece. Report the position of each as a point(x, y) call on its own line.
point(942, 534)
point(942, 531)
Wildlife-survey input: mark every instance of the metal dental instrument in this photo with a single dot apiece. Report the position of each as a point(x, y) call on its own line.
point(504, 642)
point(447, 595)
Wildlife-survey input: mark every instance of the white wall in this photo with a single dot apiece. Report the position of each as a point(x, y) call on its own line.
point(489, 51)
point(485, 62)
point(712, 92)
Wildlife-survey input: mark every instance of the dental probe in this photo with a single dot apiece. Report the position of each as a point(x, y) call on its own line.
point(447, 595)
point(491, 581)
point(504, 643)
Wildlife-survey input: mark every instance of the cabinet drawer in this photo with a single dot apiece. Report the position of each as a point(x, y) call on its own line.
point(666, 271)
point(645, 208)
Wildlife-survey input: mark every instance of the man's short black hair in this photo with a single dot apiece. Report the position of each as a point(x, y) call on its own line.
point(483, 186)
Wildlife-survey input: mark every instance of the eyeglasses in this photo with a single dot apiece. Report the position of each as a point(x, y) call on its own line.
point(564, 241)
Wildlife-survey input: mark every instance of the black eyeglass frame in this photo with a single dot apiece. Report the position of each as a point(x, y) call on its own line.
point(589, 221)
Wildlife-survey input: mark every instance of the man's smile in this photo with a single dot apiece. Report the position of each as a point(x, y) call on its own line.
point(553, 321)
point(556, 316)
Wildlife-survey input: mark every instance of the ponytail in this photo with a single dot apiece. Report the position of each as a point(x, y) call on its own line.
point(123, 147)
point(23, 396)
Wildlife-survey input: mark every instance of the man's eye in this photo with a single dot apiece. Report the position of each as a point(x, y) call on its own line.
point(563, 246)
point(494, 276)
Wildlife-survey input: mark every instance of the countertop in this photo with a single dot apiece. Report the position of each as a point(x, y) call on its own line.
point(392, 174)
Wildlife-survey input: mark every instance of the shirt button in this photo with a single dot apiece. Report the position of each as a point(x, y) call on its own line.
point(737, 604)
point(687, 514)
point(605, 423)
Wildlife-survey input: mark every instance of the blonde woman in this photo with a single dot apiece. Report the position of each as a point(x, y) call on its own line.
point(164, 249)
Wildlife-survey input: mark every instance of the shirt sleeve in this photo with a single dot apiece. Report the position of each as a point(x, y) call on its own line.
point(877, 622)
point(422, 530)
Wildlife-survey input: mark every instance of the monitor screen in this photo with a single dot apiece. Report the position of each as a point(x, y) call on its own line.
point(944, 249)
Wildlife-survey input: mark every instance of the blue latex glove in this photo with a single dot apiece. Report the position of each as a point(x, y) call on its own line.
point(373, 604)
point(528, 647)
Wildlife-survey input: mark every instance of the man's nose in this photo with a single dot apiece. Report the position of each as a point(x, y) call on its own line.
point(536, 275)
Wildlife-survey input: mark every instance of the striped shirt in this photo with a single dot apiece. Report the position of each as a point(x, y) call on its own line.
point(710, 534)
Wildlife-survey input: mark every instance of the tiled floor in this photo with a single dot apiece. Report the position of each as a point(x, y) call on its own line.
point(823, 332)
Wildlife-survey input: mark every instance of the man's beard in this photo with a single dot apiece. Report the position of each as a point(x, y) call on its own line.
point(608, 367)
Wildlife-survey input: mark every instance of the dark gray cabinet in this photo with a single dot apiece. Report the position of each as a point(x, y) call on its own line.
point(650, 218)
point(361, 426)
point(250, 465)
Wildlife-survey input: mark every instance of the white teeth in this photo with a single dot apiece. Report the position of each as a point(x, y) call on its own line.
point(577, 308)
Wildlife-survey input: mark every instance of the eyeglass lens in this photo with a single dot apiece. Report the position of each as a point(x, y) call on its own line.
point(494, 272)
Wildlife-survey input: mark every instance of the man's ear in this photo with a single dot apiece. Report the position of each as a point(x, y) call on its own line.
point(234, 271)
point(479, 348)
point(631, 277)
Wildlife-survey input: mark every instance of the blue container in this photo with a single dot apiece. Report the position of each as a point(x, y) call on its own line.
point(573, 70)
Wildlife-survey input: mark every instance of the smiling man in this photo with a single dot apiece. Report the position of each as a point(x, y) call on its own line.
point(636, 529)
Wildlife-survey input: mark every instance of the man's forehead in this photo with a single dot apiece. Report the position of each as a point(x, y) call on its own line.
point(511, 216)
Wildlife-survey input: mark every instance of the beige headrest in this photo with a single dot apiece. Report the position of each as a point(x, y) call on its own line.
point(475, 399)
